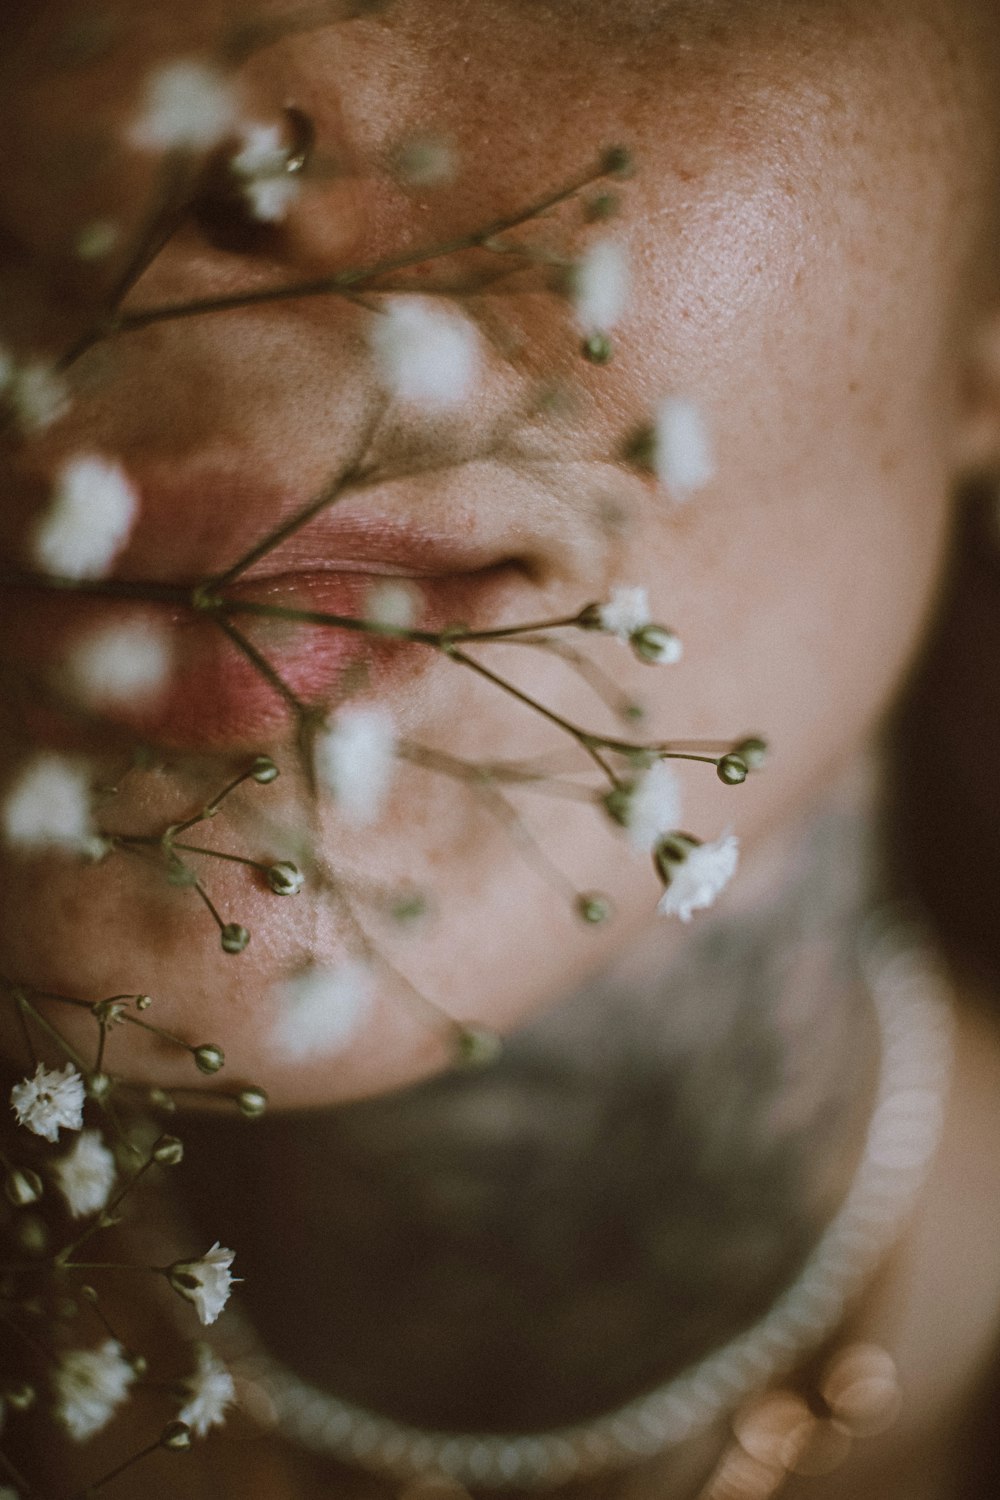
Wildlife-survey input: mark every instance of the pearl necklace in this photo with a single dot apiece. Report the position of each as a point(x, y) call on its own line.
point(911, 1004)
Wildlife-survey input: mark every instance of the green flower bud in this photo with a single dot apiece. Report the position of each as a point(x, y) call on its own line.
point(21, 1397)
point(143, 1002)
point(98, 1085)
point(656, 645)
point(251, 1102)
point(233, 938)
point(168, 1151)
point(594, 908)
point(209, 1058)
point(597, 349)
point(752, 751)
point(617, 161)
point(478, 1047)
point(22, 1186)
point(176, 1437)
point(264, 770)
point(285, 879)
point(731, 770)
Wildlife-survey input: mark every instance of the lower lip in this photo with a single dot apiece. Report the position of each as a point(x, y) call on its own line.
point(216, 699)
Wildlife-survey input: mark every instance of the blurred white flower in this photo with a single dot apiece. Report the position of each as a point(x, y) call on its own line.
point(185, 105)
point(599, 286)
point(393, 604)
point(126, 663)
point(323, 1009)
point(425, 353)
point(210, 1391)
point(426, 161)
point(86, 1174)
point(682, 450)
point(261, 166)
point(694, 873)
point(48, 807)
point(206, 1282)
point(90, 1384)
point(626, 612)
point(89, 519)
point(653, 806)
point(355, 757)
point(37, 393)
point(49, 1101)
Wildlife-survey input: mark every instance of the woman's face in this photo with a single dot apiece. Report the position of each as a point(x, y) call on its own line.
point(804, 229)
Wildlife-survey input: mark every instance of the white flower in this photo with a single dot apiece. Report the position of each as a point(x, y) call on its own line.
point(261, 164)
point(395, 605)
point(270, 198)
point(205, 1282)
point(653, 806)
point(424, 353)
point(695, 873)
point(323, 1009)
point(355, 758)
point(90, 1385)
point(86, 1174)
point(625, 613)
point(600, 286)
point(89, 521)
point(120, 664)
point(682, 455)
point(48, 807)
point(186, 105)
point(210, 1391)
point(38, 394)
point(49, 1101)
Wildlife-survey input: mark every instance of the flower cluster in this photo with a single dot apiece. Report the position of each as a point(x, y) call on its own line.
point(428, 354)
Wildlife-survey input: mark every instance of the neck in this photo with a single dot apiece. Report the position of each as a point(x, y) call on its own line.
point(634, 1182)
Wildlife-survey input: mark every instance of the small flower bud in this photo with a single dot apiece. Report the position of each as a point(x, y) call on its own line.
point(88, 1293)
point(160, 1099)
point(168, 1151)
point(233, 938)
point(617, 161)
point(617, 804)
point(31, 1234)
point(139, 1363)
point(143, 1002)
point(251, 1102)
point(602, 206)
point(21, 1397)
point(176, 1436)
point(285, 879)
point(22, 1186)
point(597, 349)
point(594, 908)
point(264, 770)
point(656, 645)
point(752, 751)
point(98, 1085)
point(209, 1058)
point(478, 1047)
point(731, 770)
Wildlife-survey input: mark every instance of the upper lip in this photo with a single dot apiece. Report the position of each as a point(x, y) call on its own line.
point(198, 527)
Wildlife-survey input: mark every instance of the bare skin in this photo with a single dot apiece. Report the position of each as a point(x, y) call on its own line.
point(809, 232)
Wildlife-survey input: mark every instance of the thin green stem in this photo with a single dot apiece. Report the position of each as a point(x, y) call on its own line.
point(26, 1006)
point(347, 281)
point(98, 1484)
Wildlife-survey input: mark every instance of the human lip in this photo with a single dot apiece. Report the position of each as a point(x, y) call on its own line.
point(286, 631)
